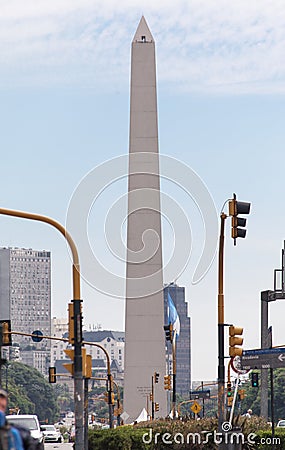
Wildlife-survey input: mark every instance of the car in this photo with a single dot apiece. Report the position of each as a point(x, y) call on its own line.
point(29, 421)
point(51, 434)
point(281, 423)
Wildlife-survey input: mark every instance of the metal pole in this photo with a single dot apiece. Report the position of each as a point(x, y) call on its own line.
point(272, 404)
point(264, 372)
point(221, 338)
point(110, 390)
point(86, 413)
point(152, 401)
point(174, 375)
point(203, 401)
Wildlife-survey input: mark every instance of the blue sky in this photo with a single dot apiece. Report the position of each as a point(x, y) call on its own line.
point(64, 109)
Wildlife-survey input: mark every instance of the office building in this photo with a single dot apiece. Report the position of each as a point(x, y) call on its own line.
point(183, 343)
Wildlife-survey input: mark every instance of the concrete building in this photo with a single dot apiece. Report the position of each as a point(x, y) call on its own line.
point(112, 341)
point(145, 342)
point(183, 346)
point(25, 296)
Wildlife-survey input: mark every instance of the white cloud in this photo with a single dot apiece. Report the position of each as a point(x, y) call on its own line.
point(201, 45)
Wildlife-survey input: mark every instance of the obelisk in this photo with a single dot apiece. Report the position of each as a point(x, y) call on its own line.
point(144, 338)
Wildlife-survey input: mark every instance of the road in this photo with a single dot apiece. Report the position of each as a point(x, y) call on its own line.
point(51, 446)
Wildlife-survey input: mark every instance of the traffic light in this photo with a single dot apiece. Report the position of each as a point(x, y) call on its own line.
point(156, 377)
point(52, 375)
point(168, 332)
point(69, 366)
point(254, 379)
point(71, 323)
point(167, 382)
point(229, 389)
point(236, 208)
point(241, 394)
point(112, 398)
point(151, 397)
point(234, 341)
point(5, 332)
point(106, 397)
point(87, 365)
point(230, 401)
point(156, 406)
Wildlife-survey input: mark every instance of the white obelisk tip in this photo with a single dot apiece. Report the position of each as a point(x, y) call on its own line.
point(143, 33)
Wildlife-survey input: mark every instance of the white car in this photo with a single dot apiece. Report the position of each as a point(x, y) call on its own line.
point(29, 421)
point(51, 434)
point(281, 423)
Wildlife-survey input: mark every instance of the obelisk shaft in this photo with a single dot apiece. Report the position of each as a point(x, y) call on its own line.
point(144, 340)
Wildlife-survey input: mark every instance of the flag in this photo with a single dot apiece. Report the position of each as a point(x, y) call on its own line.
point(173, 317)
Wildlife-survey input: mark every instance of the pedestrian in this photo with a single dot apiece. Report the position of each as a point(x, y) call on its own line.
point(10, 438)
point(249, 413)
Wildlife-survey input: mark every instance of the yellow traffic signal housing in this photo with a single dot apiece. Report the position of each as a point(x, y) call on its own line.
point(52, 375)
point(71, 323)
point(241, 394)
point(87, 372)
point(6, 337)
point(69, 366)
point(156, 406)
point(230, 401)
point(151, 397)
point(236, 208)
point(234, 340)
point(106, 397)
point(112, 398)
point(167, 382)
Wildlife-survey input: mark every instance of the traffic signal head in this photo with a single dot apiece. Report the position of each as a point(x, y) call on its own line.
point(254, 379)
point(5, 330)
point(71, 323)
point(106, 397)
point(52, 375)
point(151, 397)
point(234, 340)
point(167, 382)
point(168, 332)
point(156, 406)
point(69, 366)
point(236, 208)
point(156, 377)
point(112, 398)
point(229, 389)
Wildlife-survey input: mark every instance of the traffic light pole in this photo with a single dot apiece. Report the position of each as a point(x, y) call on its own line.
point(152, 398)
point(78, 377)
point(221, 333)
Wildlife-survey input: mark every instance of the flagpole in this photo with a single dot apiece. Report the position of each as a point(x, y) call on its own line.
point(174, 375)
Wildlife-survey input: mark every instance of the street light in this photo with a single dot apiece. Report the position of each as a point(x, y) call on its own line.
point(78, 377)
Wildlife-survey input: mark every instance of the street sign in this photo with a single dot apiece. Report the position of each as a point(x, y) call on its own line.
point(235, 363)
point(200, 394)
point(196, 407)
point(273, 358)
point(37, 336)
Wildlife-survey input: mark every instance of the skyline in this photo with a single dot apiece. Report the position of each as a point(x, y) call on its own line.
point(56, 112)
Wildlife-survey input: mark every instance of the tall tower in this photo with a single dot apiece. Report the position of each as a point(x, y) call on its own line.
point(183, 343)
point(144, 339)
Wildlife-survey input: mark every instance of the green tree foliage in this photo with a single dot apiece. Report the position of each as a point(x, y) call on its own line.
point(29, 391)
point(252, 399)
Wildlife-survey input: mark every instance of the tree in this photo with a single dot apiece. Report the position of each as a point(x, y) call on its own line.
point(29, 391)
